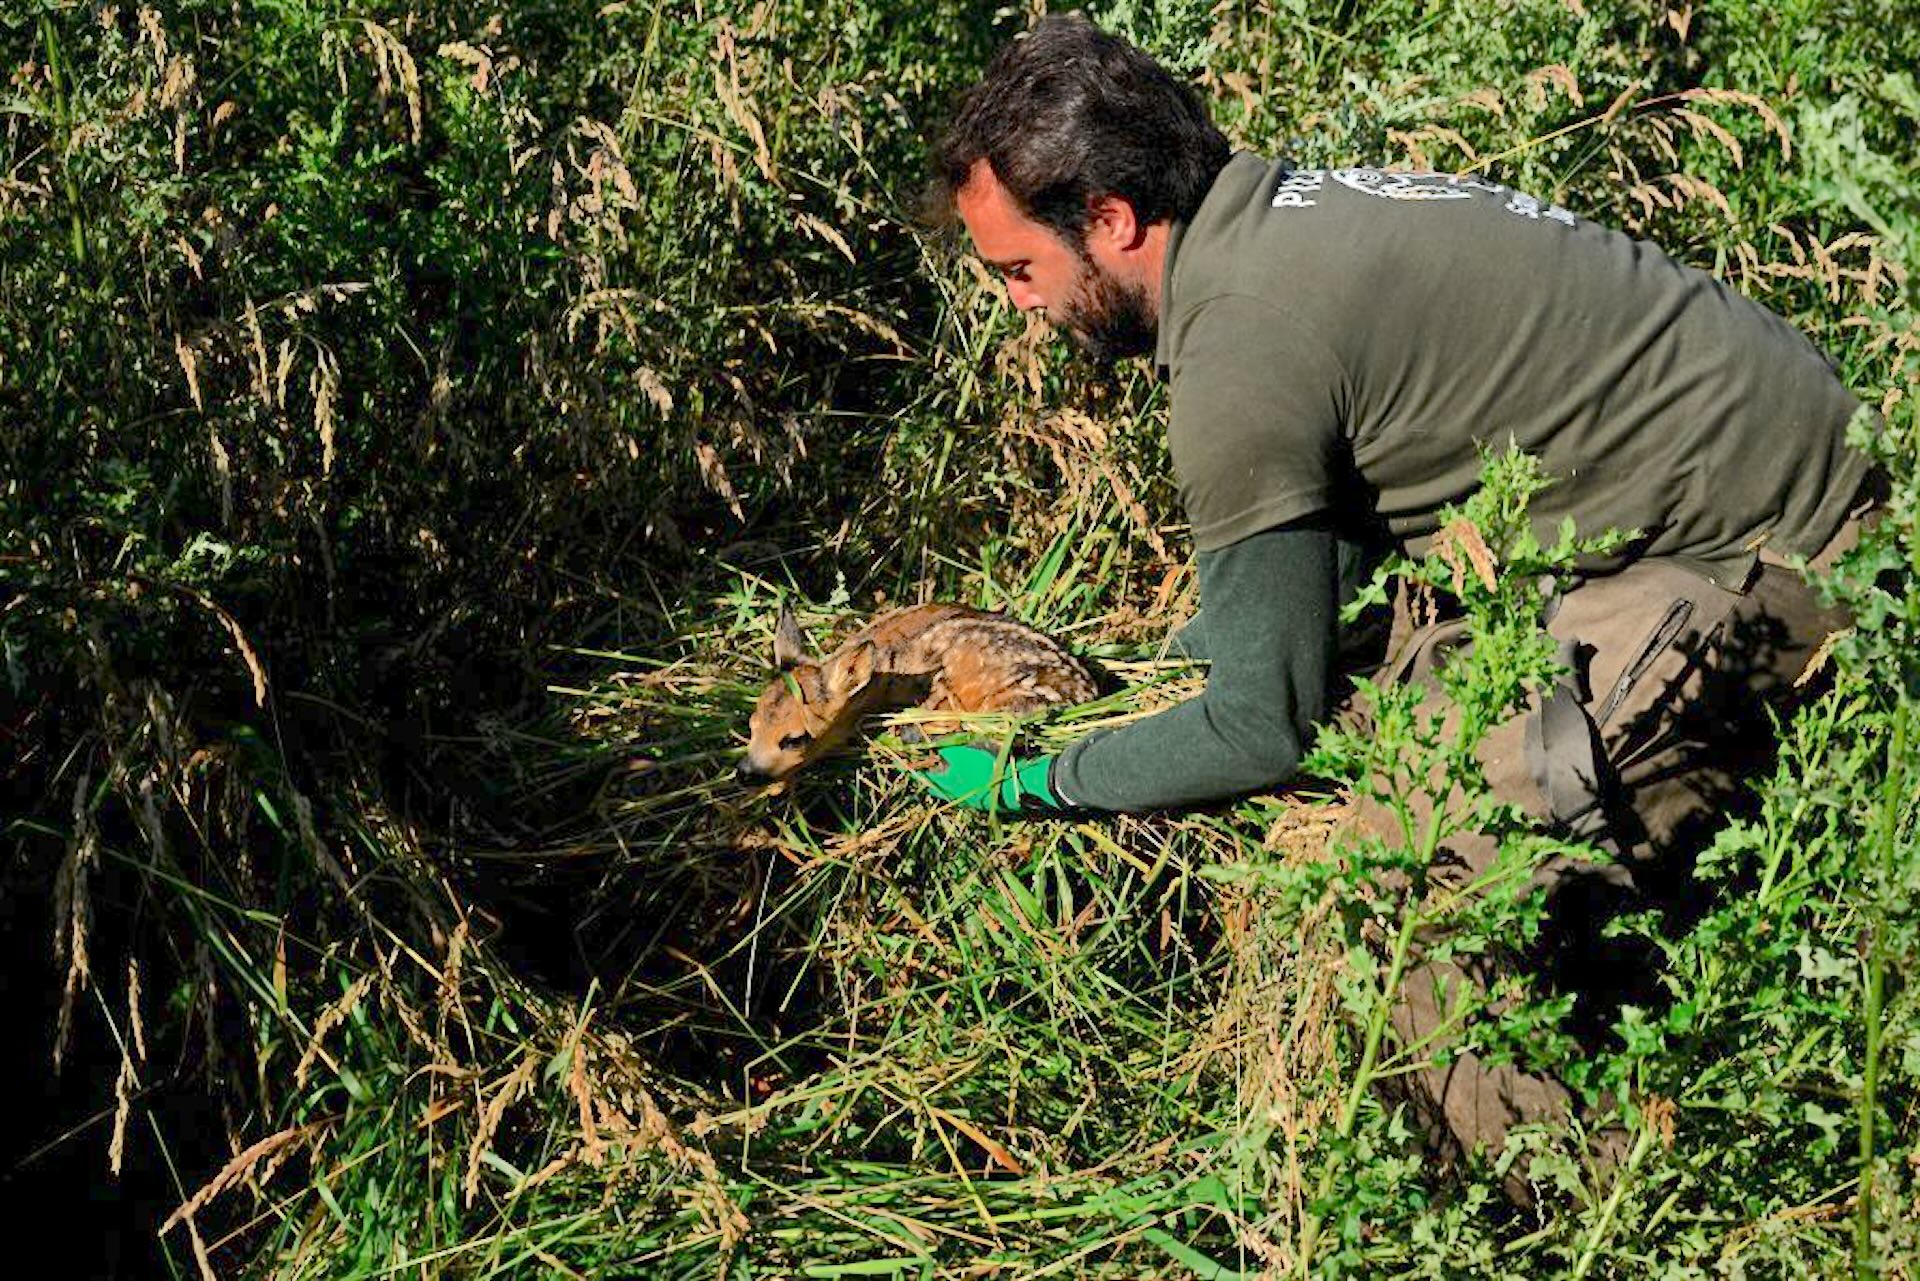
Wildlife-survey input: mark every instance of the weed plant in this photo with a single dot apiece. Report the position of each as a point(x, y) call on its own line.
point(412, 416)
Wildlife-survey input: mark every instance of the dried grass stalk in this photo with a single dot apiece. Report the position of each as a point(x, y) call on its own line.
point(330, 1018)
point(73, 912)
point(516, 1084)
point(240, 1167)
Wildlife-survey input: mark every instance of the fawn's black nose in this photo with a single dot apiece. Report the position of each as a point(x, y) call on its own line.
point(746, 773)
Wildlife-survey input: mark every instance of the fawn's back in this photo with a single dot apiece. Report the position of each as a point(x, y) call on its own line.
point(943, 657)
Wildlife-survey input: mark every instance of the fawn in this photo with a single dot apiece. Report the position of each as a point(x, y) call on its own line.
point(943, 657)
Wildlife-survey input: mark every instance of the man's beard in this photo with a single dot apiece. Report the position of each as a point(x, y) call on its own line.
point(1108, 318)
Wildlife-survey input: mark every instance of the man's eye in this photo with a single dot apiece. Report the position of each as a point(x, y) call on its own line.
point(794, 742)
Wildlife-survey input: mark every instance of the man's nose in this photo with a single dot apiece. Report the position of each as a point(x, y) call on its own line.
point(1022, 295)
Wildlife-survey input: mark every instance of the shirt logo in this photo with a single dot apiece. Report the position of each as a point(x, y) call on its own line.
point(1298, 189)
point(1411, 186)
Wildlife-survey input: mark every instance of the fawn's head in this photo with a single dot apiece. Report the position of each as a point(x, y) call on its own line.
point(808, 708)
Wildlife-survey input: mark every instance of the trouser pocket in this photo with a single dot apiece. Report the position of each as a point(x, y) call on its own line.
point(1673, 622)
point(1648, 631)
point(1563, 751)
point(1652, 636)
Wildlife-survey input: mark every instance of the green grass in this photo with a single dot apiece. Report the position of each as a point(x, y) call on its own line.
point(491, 444)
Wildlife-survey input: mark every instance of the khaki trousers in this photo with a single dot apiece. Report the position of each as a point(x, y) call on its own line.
point(1646, 754)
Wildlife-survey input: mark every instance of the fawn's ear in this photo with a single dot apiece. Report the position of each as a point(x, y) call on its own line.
point(853, 670)
point(790, 647)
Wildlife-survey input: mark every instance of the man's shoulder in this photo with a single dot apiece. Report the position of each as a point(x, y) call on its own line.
point(1277, 234)
point(1244, 288)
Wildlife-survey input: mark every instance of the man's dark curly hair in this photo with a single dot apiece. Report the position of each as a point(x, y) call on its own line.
point(1067, 114)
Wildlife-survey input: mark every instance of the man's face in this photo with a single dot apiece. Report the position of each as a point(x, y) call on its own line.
point(1111, 318)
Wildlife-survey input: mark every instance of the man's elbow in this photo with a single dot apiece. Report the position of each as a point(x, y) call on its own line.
point(1265, 750)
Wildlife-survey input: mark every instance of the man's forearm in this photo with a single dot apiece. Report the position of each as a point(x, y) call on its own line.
point(1188, 754)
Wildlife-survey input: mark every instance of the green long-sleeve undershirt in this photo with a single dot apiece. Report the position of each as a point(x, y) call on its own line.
point(1269, 625)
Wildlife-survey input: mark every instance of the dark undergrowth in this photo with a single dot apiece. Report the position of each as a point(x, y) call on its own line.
point(412, 416)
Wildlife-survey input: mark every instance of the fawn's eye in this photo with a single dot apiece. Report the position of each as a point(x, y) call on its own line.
point(794, 742)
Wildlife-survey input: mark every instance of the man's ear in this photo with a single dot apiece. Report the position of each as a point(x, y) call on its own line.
point(1116, 223)
point(790, 647)
point(853, 670)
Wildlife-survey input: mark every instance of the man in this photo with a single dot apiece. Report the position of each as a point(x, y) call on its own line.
point(1340, 343)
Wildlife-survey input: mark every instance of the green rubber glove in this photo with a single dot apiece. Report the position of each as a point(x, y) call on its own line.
point(974, 777)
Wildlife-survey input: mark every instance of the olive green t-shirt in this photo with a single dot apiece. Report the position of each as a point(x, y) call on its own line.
point(1340, 340)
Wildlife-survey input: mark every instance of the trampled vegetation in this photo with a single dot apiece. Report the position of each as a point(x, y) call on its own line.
point(412, 416)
